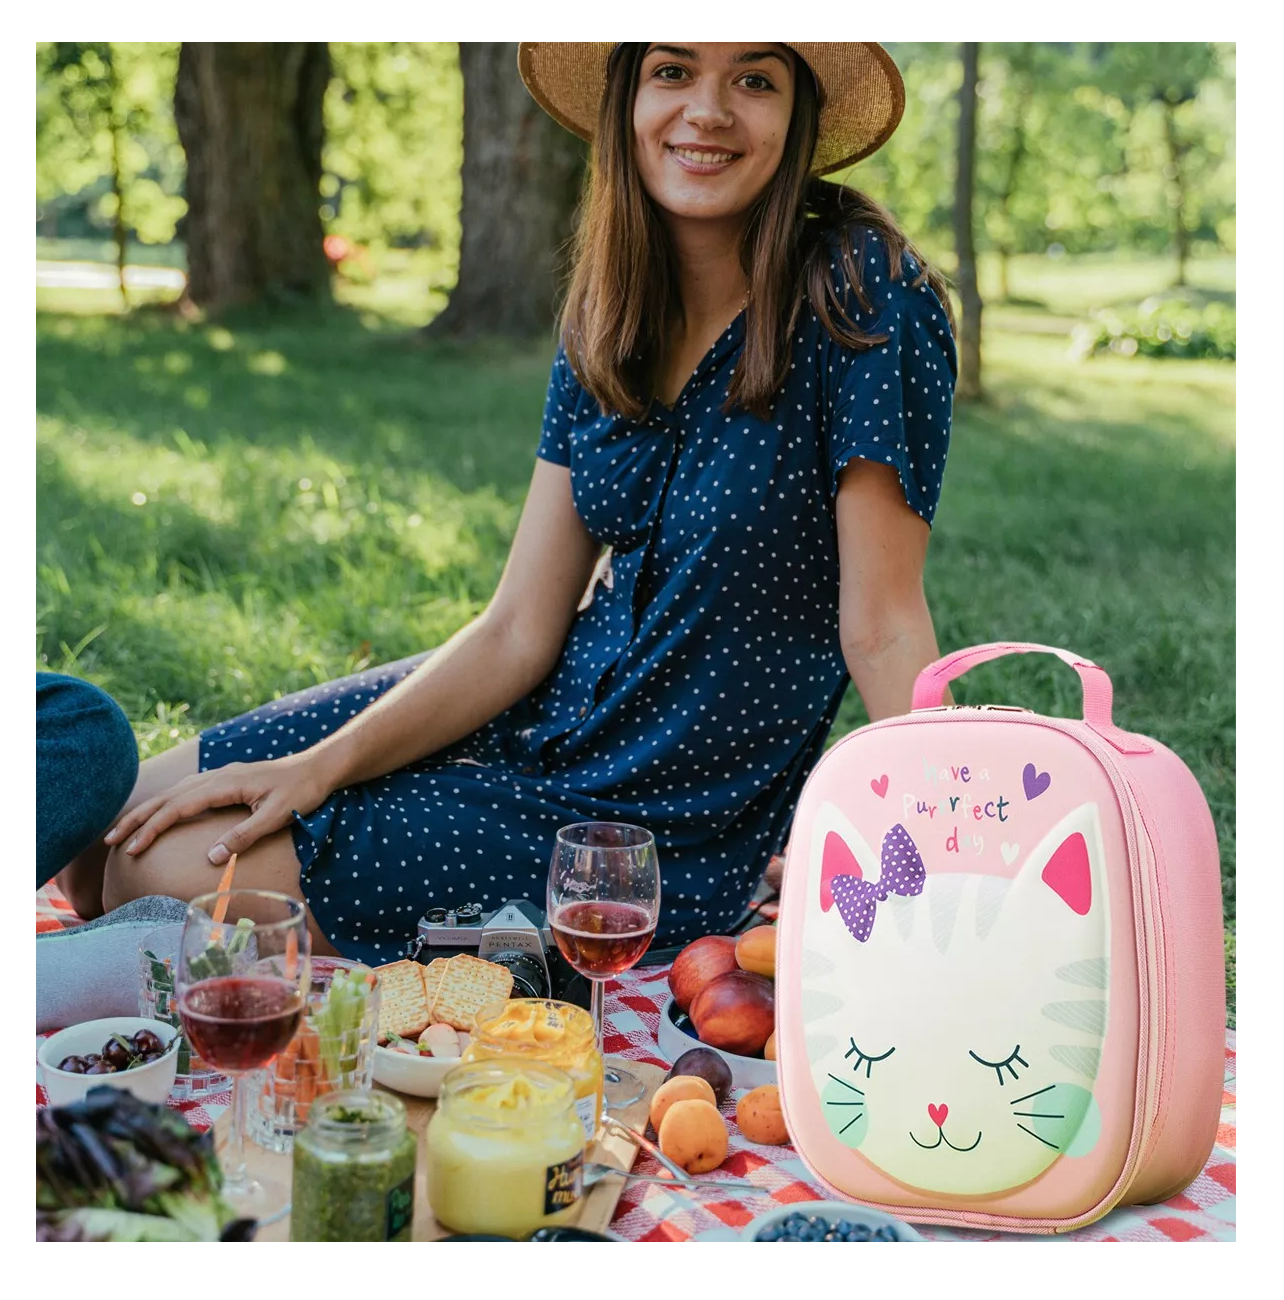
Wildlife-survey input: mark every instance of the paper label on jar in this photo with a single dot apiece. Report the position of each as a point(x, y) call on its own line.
point(563, 1183)
point(400, 1207)
point(586, 1109)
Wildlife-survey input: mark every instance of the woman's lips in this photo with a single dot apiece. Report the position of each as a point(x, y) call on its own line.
point(702, 162)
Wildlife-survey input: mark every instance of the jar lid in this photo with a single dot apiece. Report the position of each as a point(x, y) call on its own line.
point(506, 1092)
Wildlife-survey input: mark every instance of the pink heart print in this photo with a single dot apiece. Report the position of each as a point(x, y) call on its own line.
point(879, 787)
point(939, 1114)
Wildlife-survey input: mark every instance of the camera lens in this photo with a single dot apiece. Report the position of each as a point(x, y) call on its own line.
point(529, 979)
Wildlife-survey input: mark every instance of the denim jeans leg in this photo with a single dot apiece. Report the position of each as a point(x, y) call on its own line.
point(86, 765)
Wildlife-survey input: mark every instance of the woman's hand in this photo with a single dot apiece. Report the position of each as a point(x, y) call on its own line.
point(273, 791)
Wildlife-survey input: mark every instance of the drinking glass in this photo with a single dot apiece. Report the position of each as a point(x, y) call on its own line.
point(242, 980)
point(603, 905)
point(332, 1052)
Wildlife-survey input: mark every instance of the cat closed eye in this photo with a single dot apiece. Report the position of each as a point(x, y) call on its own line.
point(867, 1059)
point(1009, 1064)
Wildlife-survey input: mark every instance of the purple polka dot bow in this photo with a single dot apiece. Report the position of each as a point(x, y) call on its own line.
point(901, 873)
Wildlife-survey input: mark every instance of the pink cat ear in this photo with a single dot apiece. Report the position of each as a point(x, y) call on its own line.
point(838, 860)
point(1069, 875)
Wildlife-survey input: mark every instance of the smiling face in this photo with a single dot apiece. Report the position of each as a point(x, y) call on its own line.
point(709, 123)
point(955, 1022)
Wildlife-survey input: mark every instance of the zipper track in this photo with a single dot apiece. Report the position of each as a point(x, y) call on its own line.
point(1146, 918)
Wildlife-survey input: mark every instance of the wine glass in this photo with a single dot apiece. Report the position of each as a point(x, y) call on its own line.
point(243, 974)
point(603, 905)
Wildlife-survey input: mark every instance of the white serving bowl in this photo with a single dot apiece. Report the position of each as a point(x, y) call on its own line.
point(419, 1076)
point(746, 1071)
point(148, 1082)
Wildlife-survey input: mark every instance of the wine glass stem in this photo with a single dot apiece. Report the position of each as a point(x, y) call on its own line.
point(233, 1161)
point(598, 1007)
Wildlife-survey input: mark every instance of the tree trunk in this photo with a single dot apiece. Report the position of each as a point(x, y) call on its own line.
point(249, 116)
point(521, 178)
point(119, 232)
point(1177, 188)
point(969, 382)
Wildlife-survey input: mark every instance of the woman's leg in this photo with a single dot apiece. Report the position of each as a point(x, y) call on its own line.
point(176, 865)
point(273, 730)
point(81, 880)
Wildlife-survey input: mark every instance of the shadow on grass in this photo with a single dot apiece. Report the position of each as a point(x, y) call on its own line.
point(274, 381)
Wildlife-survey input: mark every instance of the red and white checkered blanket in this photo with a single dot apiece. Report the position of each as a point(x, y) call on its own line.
point(774, 1176)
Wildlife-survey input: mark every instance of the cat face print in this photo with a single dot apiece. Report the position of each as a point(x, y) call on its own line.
point(954, 1022)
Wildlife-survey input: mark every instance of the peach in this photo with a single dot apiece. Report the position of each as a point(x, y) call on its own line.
point(736, 1013)
point(760, 1117)
point(698, 964)
point(682, 1087)
point(769, 1052)
point(693, 1135)
point(756, 950)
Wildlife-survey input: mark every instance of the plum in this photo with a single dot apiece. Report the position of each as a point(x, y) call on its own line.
point(707, 1065)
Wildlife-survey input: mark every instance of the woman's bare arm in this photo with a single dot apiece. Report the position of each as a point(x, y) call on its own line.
point(885, 626)
point(483, 669)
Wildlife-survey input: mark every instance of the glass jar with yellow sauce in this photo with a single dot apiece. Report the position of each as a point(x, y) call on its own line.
point(540, 1029)
point(505, 1148)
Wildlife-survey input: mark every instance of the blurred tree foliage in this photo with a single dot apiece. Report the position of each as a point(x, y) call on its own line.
point(74, 104)
point(394, 144)
point(1072, 146)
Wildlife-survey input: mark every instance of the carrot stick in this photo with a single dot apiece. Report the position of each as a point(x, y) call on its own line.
point(224, 886)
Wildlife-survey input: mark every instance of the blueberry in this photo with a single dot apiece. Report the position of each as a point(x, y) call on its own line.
point(861, 1232)
point(772, 1232)
point(884, 1233)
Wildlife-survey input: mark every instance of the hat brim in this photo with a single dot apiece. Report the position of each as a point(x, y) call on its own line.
point(862, 96)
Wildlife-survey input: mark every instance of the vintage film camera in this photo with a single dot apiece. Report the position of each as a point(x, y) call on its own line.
point(516, 936)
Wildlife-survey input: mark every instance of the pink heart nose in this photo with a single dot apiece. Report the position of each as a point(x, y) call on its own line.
point(938, 1114)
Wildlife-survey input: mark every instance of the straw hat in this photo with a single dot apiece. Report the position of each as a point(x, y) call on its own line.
point(862, 95)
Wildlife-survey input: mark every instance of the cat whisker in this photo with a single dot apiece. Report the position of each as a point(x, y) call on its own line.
point(1036, 1114)
point(849, 1123)
point(845, 1084)
point(1017, 1100)
point(844, 1103)
point(1037, 1138)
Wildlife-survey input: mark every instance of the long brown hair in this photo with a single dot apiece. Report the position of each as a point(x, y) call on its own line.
point(623, 293)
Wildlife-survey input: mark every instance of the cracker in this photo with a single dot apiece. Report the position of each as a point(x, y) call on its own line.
point(432, 977)
point(467, 985)
point(404, 1008)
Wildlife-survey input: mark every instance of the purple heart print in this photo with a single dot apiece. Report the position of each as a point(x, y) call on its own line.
point(1035, 782)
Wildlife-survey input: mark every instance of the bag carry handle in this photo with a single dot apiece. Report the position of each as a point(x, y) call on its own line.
point(1098, 694)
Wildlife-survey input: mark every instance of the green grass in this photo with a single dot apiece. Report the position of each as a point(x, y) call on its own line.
point(229, 512)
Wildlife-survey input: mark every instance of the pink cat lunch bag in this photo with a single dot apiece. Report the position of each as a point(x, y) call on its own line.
point(1000, 988)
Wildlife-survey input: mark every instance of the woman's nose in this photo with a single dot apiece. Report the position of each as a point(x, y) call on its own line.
point(708, 107)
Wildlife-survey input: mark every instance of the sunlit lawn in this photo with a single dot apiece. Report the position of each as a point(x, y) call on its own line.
point(228, 512)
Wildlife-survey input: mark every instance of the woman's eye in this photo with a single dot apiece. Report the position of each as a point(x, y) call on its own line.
point(1009, 1064)
point(669, 72)
point(859, 1058)
point(756, 81)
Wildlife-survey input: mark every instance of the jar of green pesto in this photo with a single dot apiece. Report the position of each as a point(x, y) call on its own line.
point(354, 1170)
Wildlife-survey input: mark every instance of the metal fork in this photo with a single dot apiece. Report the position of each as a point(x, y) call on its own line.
point(679, 1176)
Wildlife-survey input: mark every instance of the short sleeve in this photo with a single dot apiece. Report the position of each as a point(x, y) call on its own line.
point(894, 402)
point(564, 392)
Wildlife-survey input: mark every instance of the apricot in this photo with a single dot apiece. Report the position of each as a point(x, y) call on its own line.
point(699, 964)
point(756, 950)
point(760, 1117)
point(769, 1052)
point(682, 1087)
point(693, 1135)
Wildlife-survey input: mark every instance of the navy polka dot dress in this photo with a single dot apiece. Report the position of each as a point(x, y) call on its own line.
point(695, 691)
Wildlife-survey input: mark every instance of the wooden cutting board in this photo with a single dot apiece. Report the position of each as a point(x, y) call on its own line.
point(596, 1209)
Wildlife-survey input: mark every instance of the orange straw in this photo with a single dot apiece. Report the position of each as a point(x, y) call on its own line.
point(224, 885)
